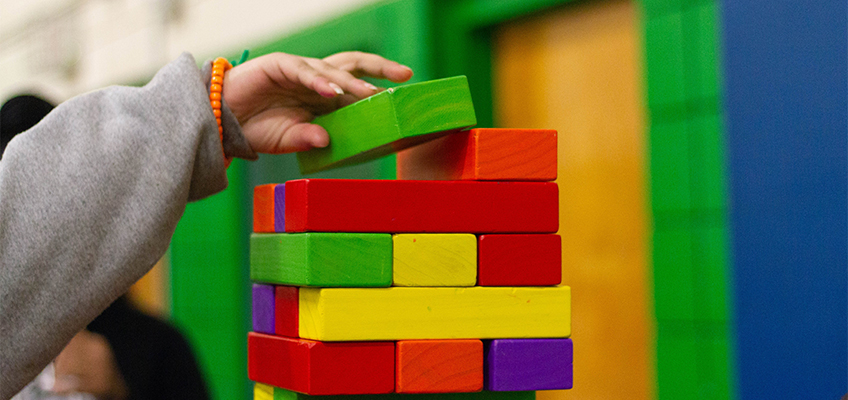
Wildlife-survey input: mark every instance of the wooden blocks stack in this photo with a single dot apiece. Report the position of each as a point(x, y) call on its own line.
point(408, 288)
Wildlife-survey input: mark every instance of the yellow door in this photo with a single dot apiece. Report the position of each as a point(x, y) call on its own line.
point(577, 69)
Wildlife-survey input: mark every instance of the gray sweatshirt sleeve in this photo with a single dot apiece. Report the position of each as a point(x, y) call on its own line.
point(89, 199)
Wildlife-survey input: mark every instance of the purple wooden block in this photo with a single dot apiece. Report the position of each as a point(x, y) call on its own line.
point(280, 208)
point(528, 364)
point(263, 308)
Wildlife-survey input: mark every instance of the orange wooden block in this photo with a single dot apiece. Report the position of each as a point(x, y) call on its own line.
point(438, 366)
point(484, 154)
point(263, 208)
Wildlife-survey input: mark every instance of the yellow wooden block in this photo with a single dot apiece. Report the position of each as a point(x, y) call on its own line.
point(434, 260)
point(263, 392)
point(397, 313)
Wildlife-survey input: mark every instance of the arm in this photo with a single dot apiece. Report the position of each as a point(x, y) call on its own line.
point(90, 197)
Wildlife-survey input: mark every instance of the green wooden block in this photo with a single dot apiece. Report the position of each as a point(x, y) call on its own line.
point(391, 121)
point(664, 60)
point(674, 294)
point(669, 159)
point(701, 52)
point(708, 164)
point(322, 259)
point(677, 363)
point(710, 272)
point(282, 394)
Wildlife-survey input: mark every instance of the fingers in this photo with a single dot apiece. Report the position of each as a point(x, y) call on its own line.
point(370, 65)
point(344, 80)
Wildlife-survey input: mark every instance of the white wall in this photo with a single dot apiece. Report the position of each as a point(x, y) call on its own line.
point(60, 48)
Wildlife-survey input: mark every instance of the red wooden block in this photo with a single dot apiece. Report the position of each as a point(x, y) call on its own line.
point(320, 368)
point(286, 311)
point(439, 366)
point(263, 208)
point(484, 154)
point(348, 205)
point(519, 260)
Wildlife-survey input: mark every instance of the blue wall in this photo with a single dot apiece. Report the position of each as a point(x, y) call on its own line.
point(785, 70)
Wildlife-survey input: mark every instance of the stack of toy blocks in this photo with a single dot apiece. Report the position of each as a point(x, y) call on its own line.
point(414, 287)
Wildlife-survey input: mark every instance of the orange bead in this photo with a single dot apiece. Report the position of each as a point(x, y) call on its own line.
point(216, 104)
point(218, 70)
point(219, 121)
point(215, 96)
point(220, 130)
point(217, 79)
point(215, 87)
point(217, 112)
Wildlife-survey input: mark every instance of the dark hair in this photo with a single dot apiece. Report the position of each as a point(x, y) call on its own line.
point(19, 114)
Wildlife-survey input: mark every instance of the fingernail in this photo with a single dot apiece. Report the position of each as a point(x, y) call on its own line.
point(336, 88)
point(404, 66)
point(369, 86)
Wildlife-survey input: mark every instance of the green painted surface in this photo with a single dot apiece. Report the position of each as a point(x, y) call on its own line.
point(669, 167)
point(664, 60)
point(391, 121)
point(710, 256)
point(707, 159)
point(282, 394)
point(700, 25)
point(210, 287)
point(674, 293)
point(677, 361)
point(715, 369)
point(656, 8)
point(322, 259)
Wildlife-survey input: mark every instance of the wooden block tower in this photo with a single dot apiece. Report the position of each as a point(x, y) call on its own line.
point(443, 284)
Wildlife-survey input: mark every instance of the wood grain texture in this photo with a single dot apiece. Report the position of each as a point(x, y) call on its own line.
point(400, 313)
point(519, 260)
point(285, 311)
point(262, 307)
point(423, 259)
point(317, 368)
point(261, 393)
point(389, 121)
point(352, 205)
point(322, 259)
point(438, 366)
point(493, 154)
point(529, 364)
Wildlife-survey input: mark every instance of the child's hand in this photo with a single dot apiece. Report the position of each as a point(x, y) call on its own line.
point(276, 96)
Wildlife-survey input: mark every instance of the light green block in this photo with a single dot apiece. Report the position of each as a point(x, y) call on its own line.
point(391, 121)
point(669, 159)
point(674, 294)
point(264, 392)
point(322, 259)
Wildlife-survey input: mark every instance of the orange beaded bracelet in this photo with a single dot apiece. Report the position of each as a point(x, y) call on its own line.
point(219, 66)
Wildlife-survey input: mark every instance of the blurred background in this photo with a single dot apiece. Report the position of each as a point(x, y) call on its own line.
point(702, 166)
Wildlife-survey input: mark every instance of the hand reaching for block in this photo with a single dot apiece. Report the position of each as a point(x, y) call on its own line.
point(275, 97)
